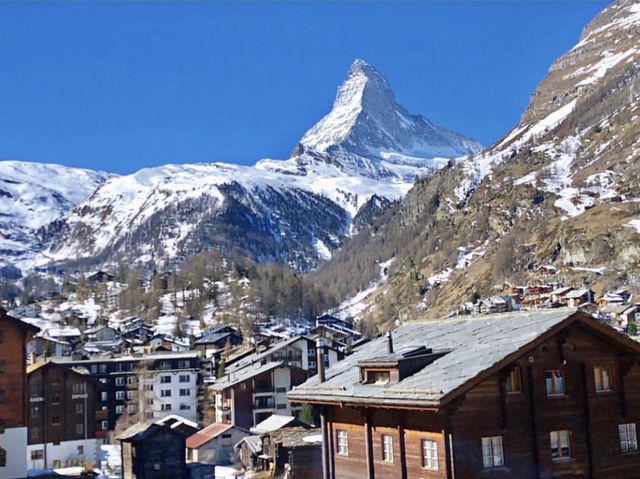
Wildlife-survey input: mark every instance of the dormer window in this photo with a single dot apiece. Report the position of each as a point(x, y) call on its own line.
point(395, 366)
point(377, 377)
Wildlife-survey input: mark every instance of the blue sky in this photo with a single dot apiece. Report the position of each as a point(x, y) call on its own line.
point(124, 85)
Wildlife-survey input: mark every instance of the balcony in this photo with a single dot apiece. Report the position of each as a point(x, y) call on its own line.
point(264, 404)
point(263, 389)
point(101, 434)
point(102, 415)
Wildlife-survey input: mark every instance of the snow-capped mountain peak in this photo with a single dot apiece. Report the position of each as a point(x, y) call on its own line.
point(366, 152)
point(366, 121)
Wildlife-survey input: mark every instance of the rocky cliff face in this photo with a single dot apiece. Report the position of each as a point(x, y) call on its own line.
point(561, 188)
point(364, 154)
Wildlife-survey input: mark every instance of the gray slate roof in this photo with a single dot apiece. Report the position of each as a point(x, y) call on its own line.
point(236, 377)
point(476, 344)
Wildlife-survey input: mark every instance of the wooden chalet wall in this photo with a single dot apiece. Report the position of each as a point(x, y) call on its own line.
point(411, 426)
point(524, 420)
point(13, 371)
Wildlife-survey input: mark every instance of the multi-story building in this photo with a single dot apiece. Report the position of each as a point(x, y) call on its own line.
point(144, 386)
point(547, 394)
point(255, 386)
point(14, 336)
point(62, 416)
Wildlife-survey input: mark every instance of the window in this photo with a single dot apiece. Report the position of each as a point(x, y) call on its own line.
point(164, 365)
point(602, 377)
point(78, 388)
point(387, 448)
point(35, 432)
point(226, 440)
point(149, 401)
point(104, 425)
point(119, 409)
point(103, 369)
point(35, 411)
point(80, 428)
point(165, 379)
point(104, 396)
point(131, 395)
point(185, 407)
point(560, 444)
point(378, 377)
point(185, 392)
point(79, 408)
point(281, 406)
point(514, 381)
point(57, 464)
point(281, 390)
point(342, 439)
point(165, 393)
point(184, 378)
point(492, 455)
point(148, 387)
point(120, 381)
point(183, 364)
point(149, 415)
point(132, 408)
point(628, 438)
point(80, 450)
point(430, 454)
point(37, 454)
point(131, 380)
point(55, 419)
point(554, 382)
point(94, 369)
point(166, 407)
point(119, 395)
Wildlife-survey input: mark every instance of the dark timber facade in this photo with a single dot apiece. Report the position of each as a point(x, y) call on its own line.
point(537, 395)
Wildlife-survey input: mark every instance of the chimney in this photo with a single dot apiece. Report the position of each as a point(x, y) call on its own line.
point(320, 360)
point(389, 342)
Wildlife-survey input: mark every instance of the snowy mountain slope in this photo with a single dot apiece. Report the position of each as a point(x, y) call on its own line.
point(32, 196)
point(296, 211)
point(561, 188)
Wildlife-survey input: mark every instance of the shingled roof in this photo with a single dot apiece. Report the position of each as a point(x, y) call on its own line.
point(476, 345)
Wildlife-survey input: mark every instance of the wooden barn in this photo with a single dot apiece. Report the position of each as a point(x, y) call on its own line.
point(545, 394)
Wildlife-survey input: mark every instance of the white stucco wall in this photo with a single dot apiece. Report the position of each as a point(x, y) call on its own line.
point(14, 441)
point(64, 452)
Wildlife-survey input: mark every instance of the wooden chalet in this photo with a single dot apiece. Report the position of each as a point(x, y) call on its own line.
point(544, 394)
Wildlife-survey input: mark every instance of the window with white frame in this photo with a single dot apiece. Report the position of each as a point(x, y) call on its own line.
point(184, 378)
point(79, 428)
point(342, 440)
point(119, 409)
point(120, 381)
point(430, 454)
point(104, 396)
point(104, 425)
point(560, 444)
point(492, 454)
point(184, 364)
point(628, 437)
point(131, 380)
point(119, 395)
point(387, 448)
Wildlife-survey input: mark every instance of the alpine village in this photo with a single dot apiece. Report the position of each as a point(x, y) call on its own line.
point(393, 301)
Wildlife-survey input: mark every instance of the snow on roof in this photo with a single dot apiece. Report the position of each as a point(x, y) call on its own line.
point(272, 423)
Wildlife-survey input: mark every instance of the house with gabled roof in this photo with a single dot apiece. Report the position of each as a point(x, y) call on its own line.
point(214, 444)
point(529, 394)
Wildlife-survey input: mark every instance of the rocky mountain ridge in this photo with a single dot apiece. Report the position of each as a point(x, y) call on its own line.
point(561, 188)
